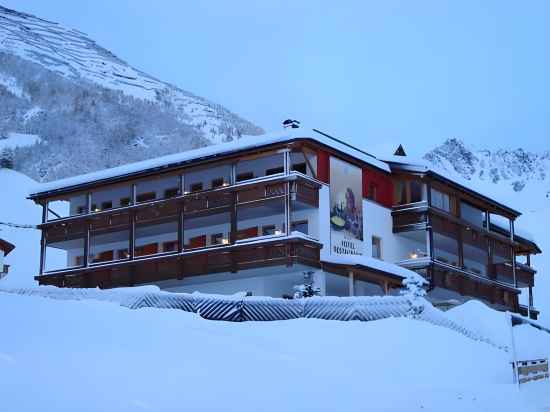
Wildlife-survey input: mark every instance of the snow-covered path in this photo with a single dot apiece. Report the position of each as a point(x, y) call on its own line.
point(98, 356)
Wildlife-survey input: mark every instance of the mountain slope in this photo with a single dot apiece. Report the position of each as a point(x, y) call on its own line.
point(515, 167)
point(80, 98)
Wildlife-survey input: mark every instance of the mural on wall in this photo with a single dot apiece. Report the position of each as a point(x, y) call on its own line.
point(346, 208)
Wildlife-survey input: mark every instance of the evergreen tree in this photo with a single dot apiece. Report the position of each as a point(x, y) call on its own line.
point(306, 290)
point(6, 159)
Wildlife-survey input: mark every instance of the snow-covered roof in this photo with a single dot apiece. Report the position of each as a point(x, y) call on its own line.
point(244, 143)
point(377, 264)
point(412, 164)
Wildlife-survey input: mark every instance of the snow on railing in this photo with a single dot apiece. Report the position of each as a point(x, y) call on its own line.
point(240, 308)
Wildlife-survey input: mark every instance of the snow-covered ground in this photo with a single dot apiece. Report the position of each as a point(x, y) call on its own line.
point(98, 356)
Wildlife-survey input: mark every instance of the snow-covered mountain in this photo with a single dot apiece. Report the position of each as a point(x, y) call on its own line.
point(515, 167)
point(57, 83)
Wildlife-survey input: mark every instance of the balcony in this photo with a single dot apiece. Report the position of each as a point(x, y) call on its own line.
point(273, 207)
point(286, 250)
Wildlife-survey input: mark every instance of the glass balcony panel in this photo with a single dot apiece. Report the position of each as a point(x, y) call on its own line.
point(162, 187)
point(200, 179)
point(412, 245)
point(209, 230)
point(108, 245)
point(304, 162)
point(476, 252)
point(67, 206)
point(304, 218)
point(261, 218)
point(64, 253)
point(111, 198)
point(259, 166)
point(472, 214)
point(155, 237)
point(445, 239)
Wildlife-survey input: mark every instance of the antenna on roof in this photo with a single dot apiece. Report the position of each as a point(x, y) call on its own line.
point(400, 151)
point(290, 123)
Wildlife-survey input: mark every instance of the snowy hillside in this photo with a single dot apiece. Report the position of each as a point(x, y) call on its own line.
point(513, 167)
point(113, 358)
point(57, 83)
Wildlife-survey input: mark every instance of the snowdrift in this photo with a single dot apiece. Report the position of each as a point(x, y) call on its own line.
point(99, 356)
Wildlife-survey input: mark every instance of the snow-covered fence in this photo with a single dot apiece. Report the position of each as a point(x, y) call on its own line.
point(240, 308)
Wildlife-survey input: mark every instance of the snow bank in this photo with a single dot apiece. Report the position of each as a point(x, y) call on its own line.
point(96, 356)
point(25, 258)
point(530, 342)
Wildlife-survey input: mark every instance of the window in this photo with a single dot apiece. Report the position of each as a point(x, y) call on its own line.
point(196, 187)
point(125, 201)
point(268, 230)
point(171, 192)
point(376, 247)
point(170, 246)
point(274, 170)
point(409, 191)
point(441, 200)
point(107, 205)
point(300, 167)
point(145, 197)
point(216, 239)
point(300, 226)
point(219, 182)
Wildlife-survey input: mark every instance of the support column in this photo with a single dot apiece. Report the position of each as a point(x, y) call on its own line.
point(429, 237)
point(351, 283)
point(513, 253)
point(287, 209)
point(132, 240)
point(43, 240)
point(134, 194)
point(181, 228)
point(87, 246)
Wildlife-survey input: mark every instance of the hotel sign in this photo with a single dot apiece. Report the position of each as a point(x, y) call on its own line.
point(346, 208)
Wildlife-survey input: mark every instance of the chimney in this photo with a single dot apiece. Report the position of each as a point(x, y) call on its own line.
point(290, 123)
point(400, 151)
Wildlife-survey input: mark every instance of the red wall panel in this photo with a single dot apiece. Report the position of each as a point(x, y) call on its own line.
point(323, 166)
point(384, 186)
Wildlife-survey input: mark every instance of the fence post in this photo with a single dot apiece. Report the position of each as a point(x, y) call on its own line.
point(513, 354)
